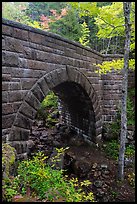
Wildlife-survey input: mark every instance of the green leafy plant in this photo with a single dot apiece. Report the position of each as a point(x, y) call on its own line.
point(9, 189)
point(48, 108)
point(131, 179)
point(130, 151)
point(8, 159)
point(112, 149)
point(84, 39)
point(46, 182)
point(50, 100)
point(114, 193)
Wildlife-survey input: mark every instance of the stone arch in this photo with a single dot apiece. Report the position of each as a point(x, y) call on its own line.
point(20, 130)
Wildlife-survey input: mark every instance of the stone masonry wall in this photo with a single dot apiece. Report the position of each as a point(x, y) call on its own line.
point(28, 54)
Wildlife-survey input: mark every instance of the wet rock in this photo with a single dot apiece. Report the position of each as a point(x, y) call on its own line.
point(43, 139)
point(105, 199)
point(131, 127)
point(30, 144)
point(130, 135)
point(36, 133)
point(68, 130)
point(81, 168)
point(40, 123)
point(70, 157)
point(40, 146)
point(106, 176)
point(58, 125)
point(104, 166)
point(98, 183)
point(76, 141)
point(129, 162)
point(69, 160)
point(48, 142)
point(62, 128)
point(100, 193)
point(56, 144)
point(41, 129)
point(57, 137)
point(106, 172)
point(43, 136)
point(44, 132)
point(87, 154)
point(97, 173)
point(94, 165)
point(53, 133)
point(72, 141)
point(55, 115)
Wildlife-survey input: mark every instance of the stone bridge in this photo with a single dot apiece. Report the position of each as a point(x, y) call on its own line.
point(35, 62)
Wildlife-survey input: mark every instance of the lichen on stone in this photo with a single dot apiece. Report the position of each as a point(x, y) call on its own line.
point(8, 159)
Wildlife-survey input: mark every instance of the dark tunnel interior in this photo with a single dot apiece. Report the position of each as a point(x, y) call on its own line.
point(76, 108)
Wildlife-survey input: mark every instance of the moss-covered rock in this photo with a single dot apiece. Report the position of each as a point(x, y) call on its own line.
point(8, 159)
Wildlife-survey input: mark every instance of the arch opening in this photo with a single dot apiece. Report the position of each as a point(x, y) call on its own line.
point(76, 108)
point(79, 104)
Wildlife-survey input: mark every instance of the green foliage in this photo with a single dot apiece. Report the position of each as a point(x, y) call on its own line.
point(68, 26)
point(110, 23)
point(131, 179)
point(8, 159)
point(9, 189)
point(84, 39)
point(36, 9)
point(48, 108)
point(130, 151)
point(35, 24)
point(112, 149)
point(15, 11)
point(114, 193)
point(100, 4)
point(110, 20)
point(130, 112)
point(50, 101)
point(117, 65)
point(47, 183)
point(85, 8)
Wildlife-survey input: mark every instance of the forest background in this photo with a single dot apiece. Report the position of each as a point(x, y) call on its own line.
point(98, 25)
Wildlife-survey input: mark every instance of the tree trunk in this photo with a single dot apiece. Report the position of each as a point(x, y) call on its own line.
point(126, 8)
point(108, 45)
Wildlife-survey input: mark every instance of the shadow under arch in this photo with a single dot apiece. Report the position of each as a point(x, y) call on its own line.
point(54, 80)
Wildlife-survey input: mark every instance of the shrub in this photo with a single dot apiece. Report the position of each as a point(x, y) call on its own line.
point(48, 183)
point(8, 159)
point(131, 179)
point(48, 108)
point(112, 149)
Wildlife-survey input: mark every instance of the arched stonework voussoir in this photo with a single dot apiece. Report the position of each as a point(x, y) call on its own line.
point(78, 77)
point(20, 130)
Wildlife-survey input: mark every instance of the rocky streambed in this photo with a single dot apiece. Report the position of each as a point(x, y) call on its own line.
point(81, 160)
